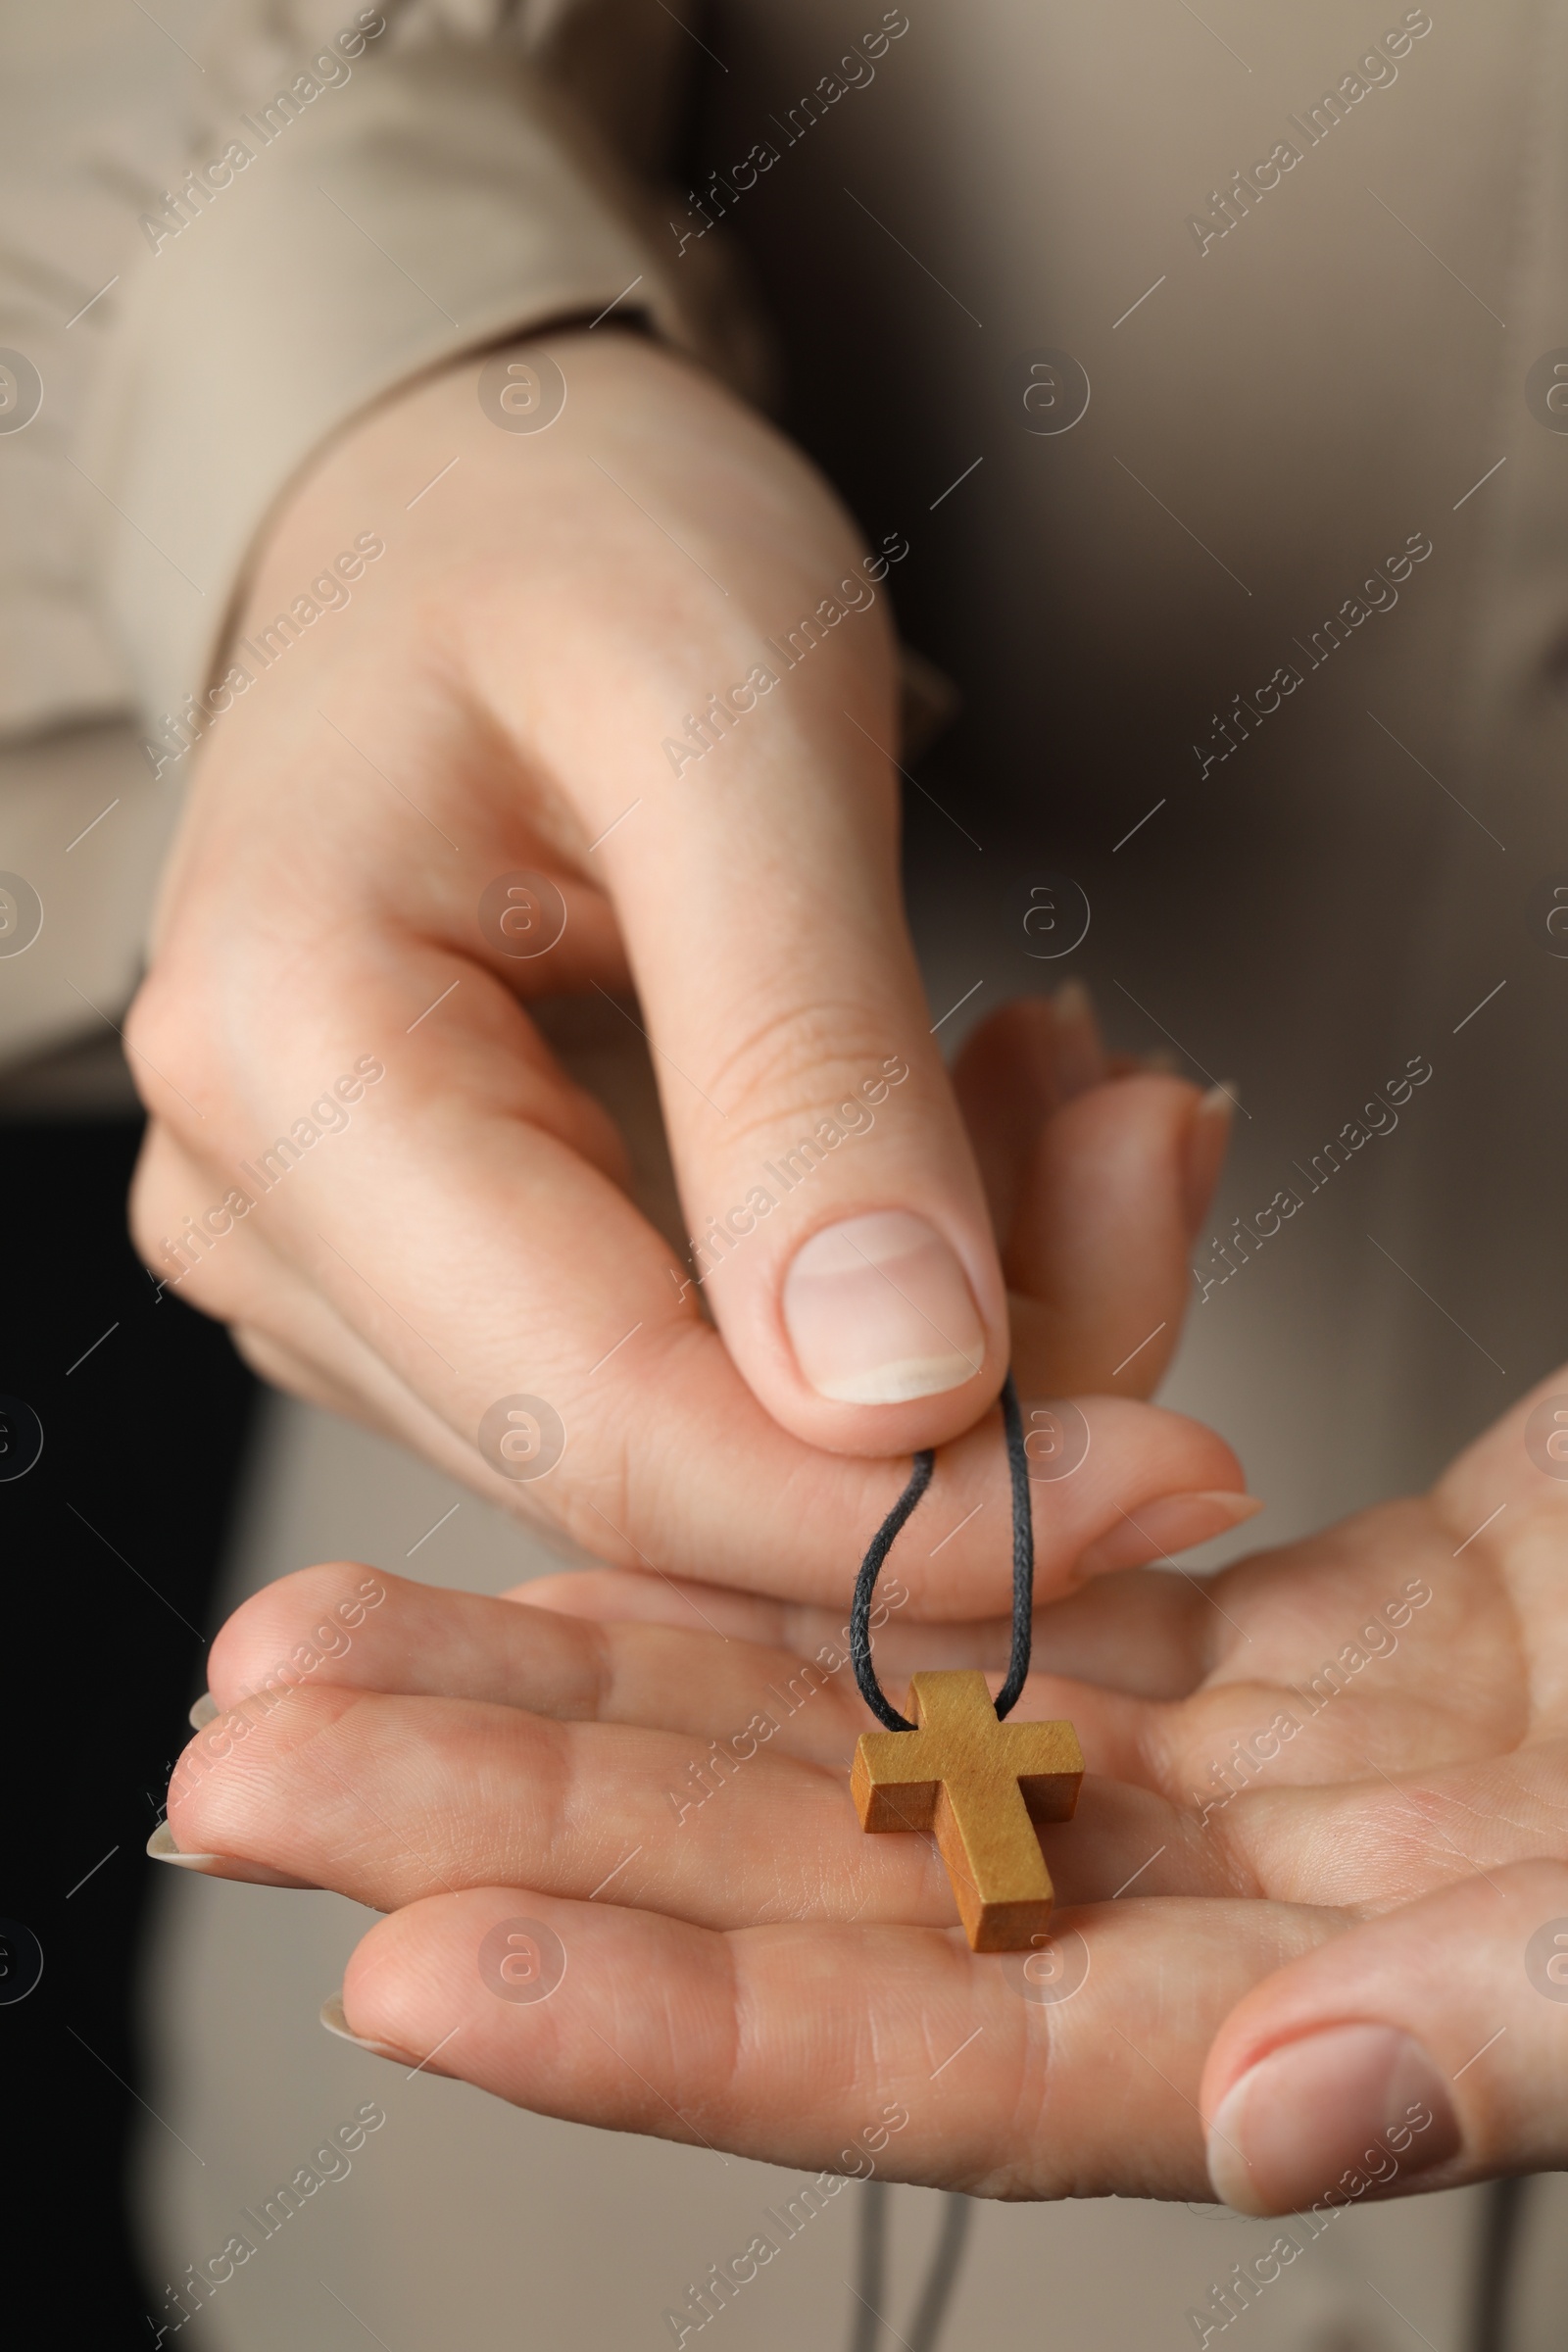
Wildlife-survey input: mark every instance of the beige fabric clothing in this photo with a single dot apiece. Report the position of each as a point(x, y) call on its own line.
point(237, 228)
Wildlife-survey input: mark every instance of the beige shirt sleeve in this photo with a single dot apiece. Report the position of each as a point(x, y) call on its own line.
point(403, 196)
point(233, 224)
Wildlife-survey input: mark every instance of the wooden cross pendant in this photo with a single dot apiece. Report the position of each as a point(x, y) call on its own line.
point(981, 1785)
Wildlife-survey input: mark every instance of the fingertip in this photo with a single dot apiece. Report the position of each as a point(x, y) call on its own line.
point(1170, 1523)
point(334, 2018)
point(1099, 1238)
point(1355, 2103)
point(322, 1609)
point(161, 1847)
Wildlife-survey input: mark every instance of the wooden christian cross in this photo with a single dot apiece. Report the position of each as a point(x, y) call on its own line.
point(981, 1785)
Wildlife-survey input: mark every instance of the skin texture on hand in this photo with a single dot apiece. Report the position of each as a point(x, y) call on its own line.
point(458, 1257)
point(1315, 1897)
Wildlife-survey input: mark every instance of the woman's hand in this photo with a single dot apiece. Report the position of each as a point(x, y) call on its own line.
point(364, 1153)
point(1316, 1886)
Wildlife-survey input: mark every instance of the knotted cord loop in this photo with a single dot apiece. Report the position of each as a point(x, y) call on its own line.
point(1023, 1572)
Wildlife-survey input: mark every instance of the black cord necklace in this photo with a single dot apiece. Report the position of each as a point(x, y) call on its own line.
point(978, 1784)
point(1023, 1573)
point(867, 2324)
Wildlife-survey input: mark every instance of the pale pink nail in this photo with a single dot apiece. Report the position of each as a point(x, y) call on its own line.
point(333, 2019)
point(1079, 1054)
point(1364, 2100)
point(1171, 1523)
point(1203, 1154)
point(878, 1310)
point(161, 1847)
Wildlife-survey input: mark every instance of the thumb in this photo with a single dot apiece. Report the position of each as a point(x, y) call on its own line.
point(1415, 2051)
point(838, 1228)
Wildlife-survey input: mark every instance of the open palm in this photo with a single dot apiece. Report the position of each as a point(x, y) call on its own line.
point(1326, 1786)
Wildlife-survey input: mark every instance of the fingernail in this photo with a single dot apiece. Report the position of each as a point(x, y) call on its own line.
point(333, 2019)
point(206, 1710)
point(1080, 1056)
point(1355, 2103)
point(878, 1310)
point(1203, 1156)
point(1171, 1523)
point(161, 1847)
